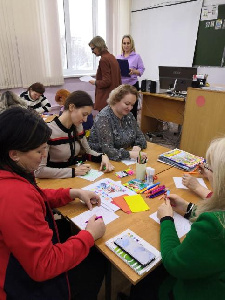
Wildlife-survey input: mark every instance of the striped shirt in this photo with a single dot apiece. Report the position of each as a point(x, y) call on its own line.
point(65, 148)
point(40, 105)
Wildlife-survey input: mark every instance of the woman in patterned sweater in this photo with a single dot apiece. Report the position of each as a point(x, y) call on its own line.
point(115, 130)
point(68, 145)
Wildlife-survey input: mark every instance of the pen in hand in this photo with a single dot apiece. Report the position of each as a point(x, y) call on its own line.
point(99, 217)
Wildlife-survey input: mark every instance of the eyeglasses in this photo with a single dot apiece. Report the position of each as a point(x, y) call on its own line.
point(92, 49)
point(206, 166)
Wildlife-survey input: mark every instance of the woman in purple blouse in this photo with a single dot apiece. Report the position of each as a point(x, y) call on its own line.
point(135, 64)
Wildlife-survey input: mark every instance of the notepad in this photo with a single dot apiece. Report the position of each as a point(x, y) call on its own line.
point(124, 67)
point(131, 262)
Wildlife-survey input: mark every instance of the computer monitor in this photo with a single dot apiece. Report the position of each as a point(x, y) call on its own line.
point(182, 76)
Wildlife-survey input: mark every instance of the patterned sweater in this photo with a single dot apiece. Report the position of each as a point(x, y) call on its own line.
point(65, 148)
point(113, 136)
point(40, 105)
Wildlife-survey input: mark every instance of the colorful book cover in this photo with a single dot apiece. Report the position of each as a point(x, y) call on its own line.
point(181, 159)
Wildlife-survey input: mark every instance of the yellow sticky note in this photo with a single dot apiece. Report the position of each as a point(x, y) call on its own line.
point(136, 203)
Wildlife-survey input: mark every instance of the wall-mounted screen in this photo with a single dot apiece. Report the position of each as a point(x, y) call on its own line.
point(179, 78)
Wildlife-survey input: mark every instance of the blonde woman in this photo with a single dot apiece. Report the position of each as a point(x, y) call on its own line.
point(135, 64)
point(197, 265)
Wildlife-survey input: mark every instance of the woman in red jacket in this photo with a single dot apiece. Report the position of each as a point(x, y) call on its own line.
point(34, 264)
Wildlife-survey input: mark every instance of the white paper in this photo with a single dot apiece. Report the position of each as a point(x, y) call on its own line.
point(86, 78)
point(182, 225)
point(92, 175)
point(128, 161)
point(108, 216)
point(179, 185)
point(108, 189)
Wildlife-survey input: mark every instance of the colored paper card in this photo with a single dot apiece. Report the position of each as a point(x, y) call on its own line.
point(136, 203)
point(119, 201)
point(92, 175)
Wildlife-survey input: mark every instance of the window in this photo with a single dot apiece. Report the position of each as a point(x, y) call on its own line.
point(79, 22)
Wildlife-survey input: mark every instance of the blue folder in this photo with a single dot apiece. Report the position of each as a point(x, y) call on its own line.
point(124, 67)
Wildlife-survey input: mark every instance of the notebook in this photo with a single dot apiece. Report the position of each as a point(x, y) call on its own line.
point(181, 159)
point(124, 67)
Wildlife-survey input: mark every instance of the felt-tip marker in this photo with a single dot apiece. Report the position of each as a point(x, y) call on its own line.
point(99, 217)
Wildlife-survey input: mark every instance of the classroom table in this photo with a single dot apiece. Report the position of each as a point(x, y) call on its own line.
point(140, 222)
point(162, 107)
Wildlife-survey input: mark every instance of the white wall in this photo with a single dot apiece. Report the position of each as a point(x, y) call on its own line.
point(216, 75)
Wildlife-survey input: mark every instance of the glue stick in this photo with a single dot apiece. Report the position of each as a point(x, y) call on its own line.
point(150, 172)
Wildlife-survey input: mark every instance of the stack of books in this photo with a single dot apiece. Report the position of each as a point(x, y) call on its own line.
point(181, 159)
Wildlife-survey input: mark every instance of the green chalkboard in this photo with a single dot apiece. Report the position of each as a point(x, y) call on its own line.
point(210, 46)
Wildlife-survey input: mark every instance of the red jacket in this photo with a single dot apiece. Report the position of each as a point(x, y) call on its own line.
point(31, 257)
point(108, 77)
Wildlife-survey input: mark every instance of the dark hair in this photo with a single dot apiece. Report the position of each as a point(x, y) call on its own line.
point(37, 87)
point(22, 130)
point(79, 99)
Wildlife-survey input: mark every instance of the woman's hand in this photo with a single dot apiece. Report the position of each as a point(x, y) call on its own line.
point(92, 82)
point(165, 210)
point(193, 184)
point(138, 154)
point(203, 171)
point(88, 197)
point(178, 203)
point(96, 227)
point(106, 166)
point(190, 182)
point(82, 169)
point(136, 148)
point(134, 72)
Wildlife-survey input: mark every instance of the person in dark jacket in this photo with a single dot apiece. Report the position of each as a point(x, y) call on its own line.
point(34, 263)
point(108, 74)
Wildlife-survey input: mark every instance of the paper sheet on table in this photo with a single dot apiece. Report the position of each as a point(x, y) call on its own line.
point(92, 175)
point(86, 78)
point(120, 201)
point(107, 189)
point(182, 225)
point(128, 161)
point(108, 216)
point(179, 185)
point(136, 203)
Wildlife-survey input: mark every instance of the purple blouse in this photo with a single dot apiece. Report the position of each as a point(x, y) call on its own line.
point(135, 62)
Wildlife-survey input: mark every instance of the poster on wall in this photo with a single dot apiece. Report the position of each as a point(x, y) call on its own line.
point(209, 12)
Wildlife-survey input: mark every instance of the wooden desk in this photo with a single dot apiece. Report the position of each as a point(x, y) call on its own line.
point(140, 222)
point(160, 107)
point(203, 120)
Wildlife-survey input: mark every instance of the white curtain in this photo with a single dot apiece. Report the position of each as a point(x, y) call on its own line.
point(29, 43)
point(118, 23)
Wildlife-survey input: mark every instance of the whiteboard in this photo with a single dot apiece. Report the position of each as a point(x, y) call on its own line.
point(166, 36)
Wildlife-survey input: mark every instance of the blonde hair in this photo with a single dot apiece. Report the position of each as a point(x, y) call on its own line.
point(99, 43)
point(131, 43)
point(215, 157)
point(118, 93)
